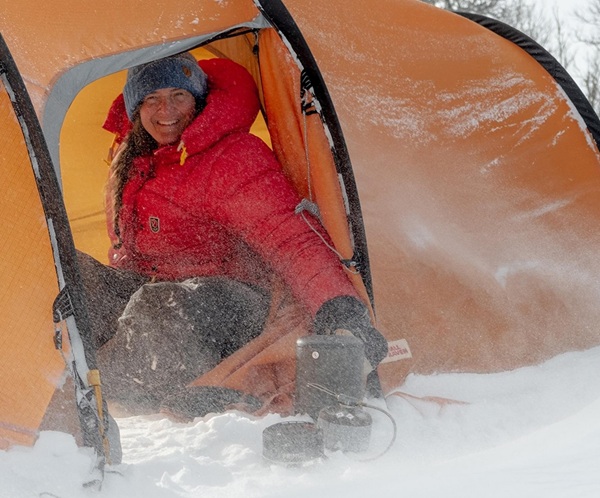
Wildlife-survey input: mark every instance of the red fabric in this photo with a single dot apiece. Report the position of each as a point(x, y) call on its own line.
point(117, 121)
point(228, 209)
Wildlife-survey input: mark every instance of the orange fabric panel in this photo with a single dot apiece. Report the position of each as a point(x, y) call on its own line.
point(301, 145)
point(43, 49)
point(479, 187)
point(30, 367)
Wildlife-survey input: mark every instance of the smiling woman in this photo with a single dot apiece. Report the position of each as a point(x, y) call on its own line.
point(204, 222)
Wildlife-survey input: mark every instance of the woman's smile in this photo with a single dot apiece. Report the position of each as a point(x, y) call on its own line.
point(166, 113)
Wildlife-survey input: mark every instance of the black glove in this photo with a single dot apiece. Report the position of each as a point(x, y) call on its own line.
point(348, 313)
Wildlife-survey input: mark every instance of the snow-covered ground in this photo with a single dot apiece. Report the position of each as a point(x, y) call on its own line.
point(532, 432)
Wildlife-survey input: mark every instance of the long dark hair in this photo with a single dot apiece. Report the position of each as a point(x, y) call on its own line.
point(138, 143)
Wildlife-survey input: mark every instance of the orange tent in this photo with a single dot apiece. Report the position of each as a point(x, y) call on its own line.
point(453, 161)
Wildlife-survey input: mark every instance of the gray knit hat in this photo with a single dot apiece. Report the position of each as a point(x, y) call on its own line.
point(177, 71)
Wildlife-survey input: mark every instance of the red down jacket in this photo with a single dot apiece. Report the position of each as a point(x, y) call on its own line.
point(219, 204)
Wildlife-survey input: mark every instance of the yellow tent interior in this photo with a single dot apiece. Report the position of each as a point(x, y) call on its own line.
point(478, 180)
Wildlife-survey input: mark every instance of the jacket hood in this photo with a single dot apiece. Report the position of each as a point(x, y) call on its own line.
point(232, 105)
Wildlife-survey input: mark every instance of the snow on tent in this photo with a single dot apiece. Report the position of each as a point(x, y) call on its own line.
point(458, 176)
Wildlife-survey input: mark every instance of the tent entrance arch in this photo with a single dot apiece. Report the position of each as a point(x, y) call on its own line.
point(317, 164)
point(290, 123)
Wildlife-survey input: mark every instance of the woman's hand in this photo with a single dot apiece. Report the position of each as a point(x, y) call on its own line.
point(348, 313)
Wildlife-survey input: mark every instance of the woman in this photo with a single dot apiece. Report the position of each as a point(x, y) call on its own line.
point(200, 210)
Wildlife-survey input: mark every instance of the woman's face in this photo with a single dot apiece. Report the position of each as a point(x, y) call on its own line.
point(165, 113)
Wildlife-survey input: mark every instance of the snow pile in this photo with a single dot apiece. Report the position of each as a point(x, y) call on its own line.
point(531, 432)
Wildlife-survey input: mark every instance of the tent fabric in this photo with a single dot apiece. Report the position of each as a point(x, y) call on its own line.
point(30, 367)
point(37, 243)
point(548, 62)
point(302, 147)
point(477, 175)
